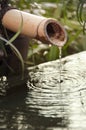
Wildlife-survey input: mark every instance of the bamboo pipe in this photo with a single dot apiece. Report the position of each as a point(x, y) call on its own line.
point(47, 30)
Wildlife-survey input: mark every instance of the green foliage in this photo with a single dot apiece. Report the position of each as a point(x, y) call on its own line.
point(65, 12)
point(81, 14)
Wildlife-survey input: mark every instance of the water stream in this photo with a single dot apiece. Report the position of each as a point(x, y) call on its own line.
point(60, 64)
point(60, 81)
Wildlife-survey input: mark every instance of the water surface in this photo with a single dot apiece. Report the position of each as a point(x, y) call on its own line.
point(41, 105)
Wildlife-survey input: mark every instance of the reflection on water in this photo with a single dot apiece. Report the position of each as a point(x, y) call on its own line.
point(41, 106)
point(42, 109)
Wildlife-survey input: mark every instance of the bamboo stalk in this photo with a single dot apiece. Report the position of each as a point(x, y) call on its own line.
point(47, 30)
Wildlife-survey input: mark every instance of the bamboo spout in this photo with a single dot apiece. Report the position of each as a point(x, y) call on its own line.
point(47, 30)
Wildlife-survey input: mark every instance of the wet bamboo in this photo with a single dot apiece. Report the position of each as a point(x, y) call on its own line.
point(47, 30)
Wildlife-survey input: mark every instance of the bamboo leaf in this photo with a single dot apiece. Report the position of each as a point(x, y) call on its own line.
point(16, 52)
point(2, 47)
point(53, 53)
point(9, 42)
point(18, 32)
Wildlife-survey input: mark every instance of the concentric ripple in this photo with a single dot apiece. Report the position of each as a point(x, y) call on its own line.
point(48, 103)
point(53, 99)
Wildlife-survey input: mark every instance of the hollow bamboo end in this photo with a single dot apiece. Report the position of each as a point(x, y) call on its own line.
point(55, 33)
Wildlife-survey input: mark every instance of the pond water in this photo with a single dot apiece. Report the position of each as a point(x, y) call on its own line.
point(42, 103)
point(43, 108)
